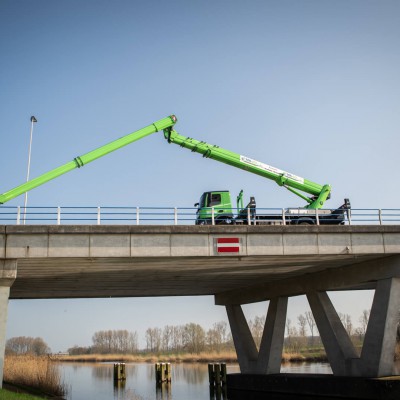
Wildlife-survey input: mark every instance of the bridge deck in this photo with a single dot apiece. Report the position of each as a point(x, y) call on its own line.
point(103, 261)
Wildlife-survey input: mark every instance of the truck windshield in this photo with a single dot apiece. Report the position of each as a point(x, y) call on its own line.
point(202, 202)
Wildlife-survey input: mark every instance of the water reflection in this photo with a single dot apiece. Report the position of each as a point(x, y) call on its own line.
point(119, 389)
point(197, 374)
point(307, 368)
point(218, 392)
point(163, 391)
point(189, 381)
point(103, 371)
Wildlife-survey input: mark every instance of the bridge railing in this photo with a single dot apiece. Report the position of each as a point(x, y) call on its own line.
point(178, 216)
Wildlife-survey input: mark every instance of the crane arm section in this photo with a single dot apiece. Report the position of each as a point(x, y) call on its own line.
point(294, 183)
point(84, 159)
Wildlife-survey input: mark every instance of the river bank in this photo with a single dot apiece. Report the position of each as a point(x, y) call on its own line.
point(206, 357)
point(9, 394)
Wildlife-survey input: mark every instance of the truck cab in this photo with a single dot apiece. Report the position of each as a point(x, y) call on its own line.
point(220, 202)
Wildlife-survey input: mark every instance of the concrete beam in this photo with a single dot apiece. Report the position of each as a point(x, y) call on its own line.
point(268, 359)
point(337, 343)
point(347, 277)
point(246, 349)
point(271, 347)
point(380, 339)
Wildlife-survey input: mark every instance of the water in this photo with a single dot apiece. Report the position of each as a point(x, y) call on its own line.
point(86, 381)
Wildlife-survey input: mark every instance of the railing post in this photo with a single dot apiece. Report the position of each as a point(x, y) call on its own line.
point(137, 216)
point(380, 217)
point(98, 216)
point(248, 216)
point(175, 216)
point(317, 216)
point(348, 212)
point(18, 215)
point(283, 216)
point(58, 215)
point(212, 216)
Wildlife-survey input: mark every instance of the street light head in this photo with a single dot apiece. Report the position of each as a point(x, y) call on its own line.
point(33, 119)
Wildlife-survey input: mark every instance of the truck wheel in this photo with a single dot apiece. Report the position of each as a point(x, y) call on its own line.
point(305, 222)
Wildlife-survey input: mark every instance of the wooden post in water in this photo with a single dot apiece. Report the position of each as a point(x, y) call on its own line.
point(223, 374)
point(119, 372)
point(217, 374)
point(217, 379)
point(163, 372)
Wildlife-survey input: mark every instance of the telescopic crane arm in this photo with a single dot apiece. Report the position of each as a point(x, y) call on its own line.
point(294, 183)
point(84, 159)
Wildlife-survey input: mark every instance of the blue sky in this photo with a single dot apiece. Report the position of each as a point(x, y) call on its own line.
point(311, 87)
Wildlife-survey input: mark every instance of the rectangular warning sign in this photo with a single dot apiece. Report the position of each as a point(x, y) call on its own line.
point(228, 245)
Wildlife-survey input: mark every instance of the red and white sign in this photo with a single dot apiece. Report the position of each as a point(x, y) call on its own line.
point(228, 245)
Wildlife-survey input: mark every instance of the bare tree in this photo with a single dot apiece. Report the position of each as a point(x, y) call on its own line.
point(347, 323)
point(167, 338)
point(311, 323)
point(364, 318)
point(302, 321)
point(291, 336)
point(256, 327)
point(194, 338)
point(216, 337)
point(27, 345)
point(153, 339)
point(177, 338)
point(116, 341)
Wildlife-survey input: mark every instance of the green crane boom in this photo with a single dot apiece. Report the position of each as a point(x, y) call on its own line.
point(80, 161)
point(294, 183)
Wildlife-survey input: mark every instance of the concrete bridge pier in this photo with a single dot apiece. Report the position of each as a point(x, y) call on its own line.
point(380, 339)
point(8, 273)
point(376, 359)
point(268, 359)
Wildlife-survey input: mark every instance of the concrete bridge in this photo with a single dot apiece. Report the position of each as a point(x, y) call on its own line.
point(236, 264)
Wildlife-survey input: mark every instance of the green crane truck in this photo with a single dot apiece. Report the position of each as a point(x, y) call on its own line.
point(216, 207)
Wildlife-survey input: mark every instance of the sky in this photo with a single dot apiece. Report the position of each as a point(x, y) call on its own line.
point(311, 87)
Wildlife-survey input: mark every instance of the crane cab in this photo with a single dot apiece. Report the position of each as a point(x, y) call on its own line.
point(220, 202)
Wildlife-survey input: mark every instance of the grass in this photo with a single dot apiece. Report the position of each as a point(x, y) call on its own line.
point(7, 395)
point(36, 373)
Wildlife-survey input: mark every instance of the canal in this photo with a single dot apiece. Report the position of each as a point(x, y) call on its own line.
point(189, 381)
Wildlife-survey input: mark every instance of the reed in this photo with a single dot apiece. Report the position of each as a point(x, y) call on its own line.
point(204, 357)
point(228, 356)
point(36, 372)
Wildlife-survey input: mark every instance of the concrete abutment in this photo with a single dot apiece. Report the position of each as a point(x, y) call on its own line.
point(8, 273)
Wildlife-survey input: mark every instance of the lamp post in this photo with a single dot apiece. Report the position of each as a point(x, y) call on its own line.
point(33, 120)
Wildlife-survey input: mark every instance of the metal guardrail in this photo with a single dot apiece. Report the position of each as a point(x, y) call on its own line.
point(173, 215)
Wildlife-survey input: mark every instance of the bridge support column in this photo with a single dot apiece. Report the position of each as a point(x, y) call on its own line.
point(380, 339)
point(378, 350)
point(268, 359)
point(8, 273)
point(335, 339)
